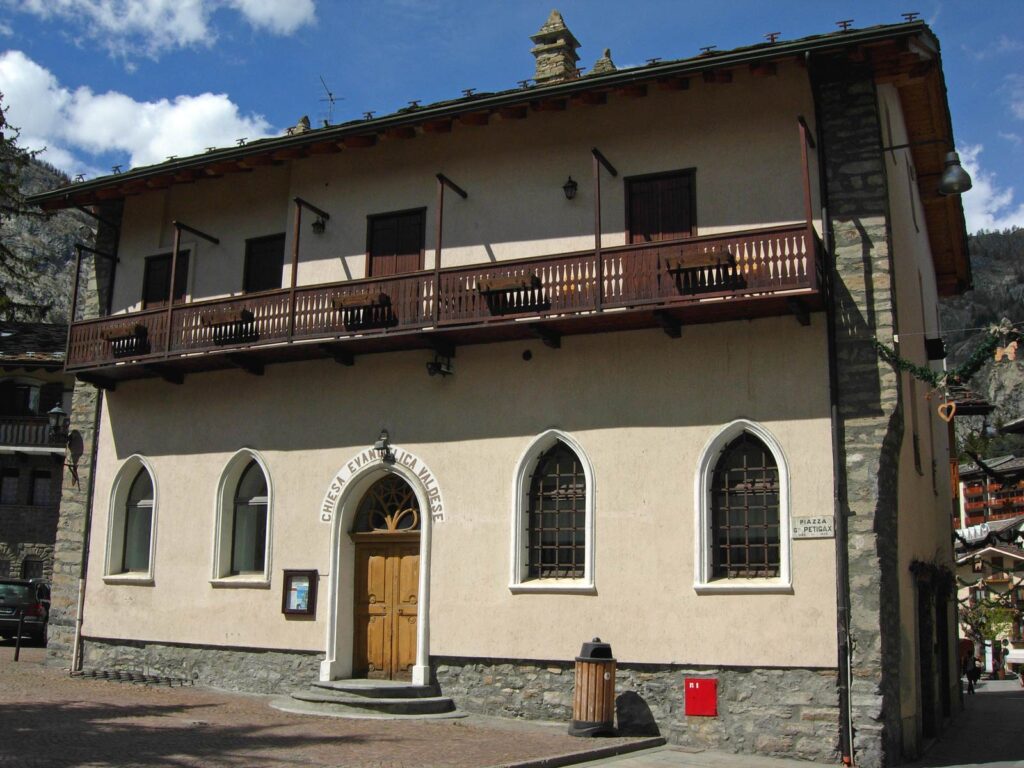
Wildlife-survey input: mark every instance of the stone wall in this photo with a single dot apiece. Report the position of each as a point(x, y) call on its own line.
point(237, 669)
point(782, 712)
point(27, 528)
point(71, 548)
point(869, 396)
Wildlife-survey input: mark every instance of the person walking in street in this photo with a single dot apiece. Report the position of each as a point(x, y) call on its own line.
point(972, 670)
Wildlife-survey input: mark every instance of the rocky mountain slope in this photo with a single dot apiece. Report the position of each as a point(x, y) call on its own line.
point(48, 244)
point(997, 261)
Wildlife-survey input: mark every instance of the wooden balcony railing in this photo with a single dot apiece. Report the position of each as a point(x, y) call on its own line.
point(32, 431)
point(666, 274)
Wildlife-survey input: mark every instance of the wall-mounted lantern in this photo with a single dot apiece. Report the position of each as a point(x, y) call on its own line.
point(383, 447)
point(570, 188)
point(319, 225)
point(59, 423)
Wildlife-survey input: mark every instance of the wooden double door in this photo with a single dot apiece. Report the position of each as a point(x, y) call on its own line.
point(386, 605)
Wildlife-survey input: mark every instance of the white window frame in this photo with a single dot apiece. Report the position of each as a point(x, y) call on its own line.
point(519, 582)
point(113, 565)
point(703, 583)
point(224, 510)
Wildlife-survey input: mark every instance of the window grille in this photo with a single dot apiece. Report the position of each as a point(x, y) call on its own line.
point(745, 511)
point(556, 518)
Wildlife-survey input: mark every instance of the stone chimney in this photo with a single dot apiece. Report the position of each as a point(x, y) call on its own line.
point(555, 51)
point(604, 64)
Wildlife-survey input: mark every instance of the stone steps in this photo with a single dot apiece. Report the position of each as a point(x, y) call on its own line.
point(368, 699)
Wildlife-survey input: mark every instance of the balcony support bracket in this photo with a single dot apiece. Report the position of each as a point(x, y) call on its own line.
point(166, 373)
point(441, 347)
point(247, 363)
point(550, 338)
point(672, 326)
point(340, 356)
point(799, 310)
point(100, 382)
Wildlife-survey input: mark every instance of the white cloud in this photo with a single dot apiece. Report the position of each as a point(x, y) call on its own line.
point(69, 123)
point(1015, 88)
point(987, 205)
point(1002, 45)
point(5, 29)
point(129, 28)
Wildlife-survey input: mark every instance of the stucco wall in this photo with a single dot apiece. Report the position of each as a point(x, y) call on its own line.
point(513, 171)
point(641, 405)
point(925, 504)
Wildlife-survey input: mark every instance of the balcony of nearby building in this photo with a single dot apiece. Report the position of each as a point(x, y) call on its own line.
point(665, 284)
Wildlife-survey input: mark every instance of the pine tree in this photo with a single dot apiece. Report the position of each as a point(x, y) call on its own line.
point(14, 267)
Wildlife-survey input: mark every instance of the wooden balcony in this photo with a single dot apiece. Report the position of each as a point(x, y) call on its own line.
point(27, 432)
point(668, 284)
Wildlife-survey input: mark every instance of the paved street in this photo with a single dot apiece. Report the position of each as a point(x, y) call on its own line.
point(49, 719)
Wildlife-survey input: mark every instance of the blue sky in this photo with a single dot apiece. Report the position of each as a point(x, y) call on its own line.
point(129, 82)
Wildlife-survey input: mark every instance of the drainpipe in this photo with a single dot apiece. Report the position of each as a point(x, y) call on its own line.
point(843, 641)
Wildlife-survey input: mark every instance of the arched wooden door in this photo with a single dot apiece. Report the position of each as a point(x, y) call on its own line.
point(387, 546)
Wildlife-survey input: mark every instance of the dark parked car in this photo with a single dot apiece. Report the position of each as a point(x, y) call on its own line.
point(30, 596)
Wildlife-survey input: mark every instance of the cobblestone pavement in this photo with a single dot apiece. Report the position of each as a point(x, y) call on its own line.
point(50, 719)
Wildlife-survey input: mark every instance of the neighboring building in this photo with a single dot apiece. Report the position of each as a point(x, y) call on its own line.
point(32, 382)
point(994, 491)
point(397, 376)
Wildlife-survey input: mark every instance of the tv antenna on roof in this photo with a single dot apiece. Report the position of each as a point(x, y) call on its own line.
point(331, 98)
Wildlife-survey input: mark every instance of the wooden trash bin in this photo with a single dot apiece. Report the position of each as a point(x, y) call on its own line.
point(593, 703)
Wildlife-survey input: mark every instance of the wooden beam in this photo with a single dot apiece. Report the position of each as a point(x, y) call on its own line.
point(799, 310)
point(633, 91)
point(166, 372)
point(339, 354)
point(475, 118)
point(549, 336)
point(441, 125)
point(672, 326)
point(591, 98)
point(324, 148)
point(100, 382)
point(401, 132)
point(289, 153)
point(718, 76)
point(674, 84)
point(514, 112)
point(441, 346)
point(764, 69)
point(247, 363)
point(255, 160)
point(549, 105)
point(359, 142)
point(159, 182)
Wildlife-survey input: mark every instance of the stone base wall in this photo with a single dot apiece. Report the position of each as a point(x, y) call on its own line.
point(780, 712)
point(253, 670)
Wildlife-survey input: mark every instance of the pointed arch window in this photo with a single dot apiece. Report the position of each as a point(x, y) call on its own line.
point(244, 522)
point(743, 512)
point(249, 524)
point(554, 517)
point(131, 526)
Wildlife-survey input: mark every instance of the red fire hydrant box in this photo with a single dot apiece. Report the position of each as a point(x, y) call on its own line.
point(701, 697)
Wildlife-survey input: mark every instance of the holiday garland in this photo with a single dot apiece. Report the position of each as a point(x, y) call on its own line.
point(997, 335)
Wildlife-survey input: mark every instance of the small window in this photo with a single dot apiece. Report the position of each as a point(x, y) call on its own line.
point(661, 206)
point(249, 523)
point(32, 568)
point(138, 524)
point(264, 262)
point(9, 486)
point(5, 569)
point(18, 398)
point(156, 281)
point(395, 243)
point(42, 482)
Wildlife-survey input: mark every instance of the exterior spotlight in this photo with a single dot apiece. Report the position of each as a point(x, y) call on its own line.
point(440, 366)
point(59, 422)
point(955, 180)
point(383, 447)
point(570, 188)
point(319, 225)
